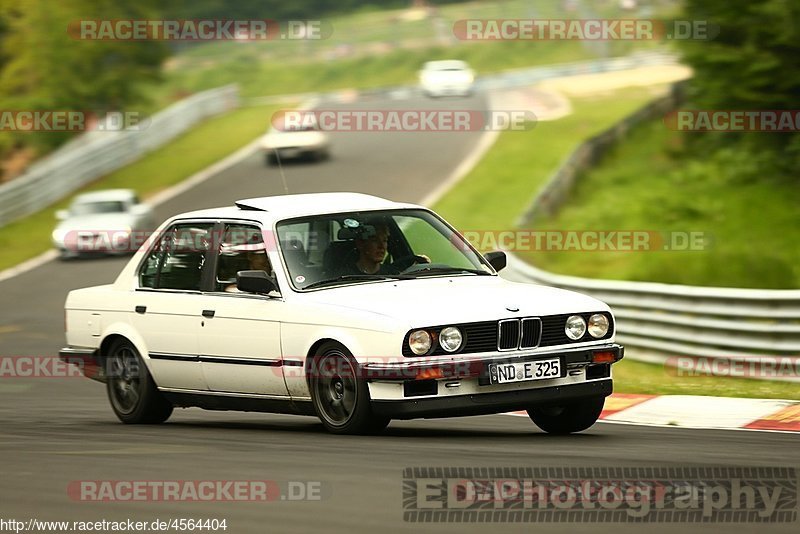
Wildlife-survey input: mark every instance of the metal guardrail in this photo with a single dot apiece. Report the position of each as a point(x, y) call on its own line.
point(100, 152)
point(737, 325)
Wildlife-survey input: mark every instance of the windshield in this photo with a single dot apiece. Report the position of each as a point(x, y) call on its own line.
point(357, 247)
point(91, 208)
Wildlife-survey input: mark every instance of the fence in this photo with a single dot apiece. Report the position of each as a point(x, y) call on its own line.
point(733, 325)
point(97, 153)
point(737, 326)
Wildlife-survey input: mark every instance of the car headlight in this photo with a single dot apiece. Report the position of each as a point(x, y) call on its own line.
point(598, 325)
point(58, 235)
point(420, 342)
point(450, 339)
point(575, 327)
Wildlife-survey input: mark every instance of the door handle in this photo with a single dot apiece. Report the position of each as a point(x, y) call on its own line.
point(141, 309)
point(208, 313)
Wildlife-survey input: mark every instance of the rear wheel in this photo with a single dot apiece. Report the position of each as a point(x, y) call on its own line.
point(132, 393)
point(568, 418)
point(340, 395)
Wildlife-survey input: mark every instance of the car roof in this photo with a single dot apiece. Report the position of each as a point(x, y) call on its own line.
point(289, 206)
point(106, 195)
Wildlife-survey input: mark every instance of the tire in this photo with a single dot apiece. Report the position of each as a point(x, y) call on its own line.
point(340, 395)
point(132, 393)
point(270, 160)
point(569, 418)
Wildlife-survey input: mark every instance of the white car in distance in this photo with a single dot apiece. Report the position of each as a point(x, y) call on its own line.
point(359, 314)
point(111, 221)
point(446, 78)
point(286, 141)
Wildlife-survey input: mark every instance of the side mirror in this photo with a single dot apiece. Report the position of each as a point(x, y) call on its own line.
point(62, 214)
point(255, 282)
point(497, 259)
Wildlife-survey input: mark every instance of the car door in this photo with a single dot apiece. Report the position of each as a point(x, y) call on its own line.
point(169, 304)
point(240, 350)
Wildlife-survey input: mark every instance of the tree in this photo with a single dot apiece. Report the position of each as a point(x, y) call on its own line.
point(751, 65)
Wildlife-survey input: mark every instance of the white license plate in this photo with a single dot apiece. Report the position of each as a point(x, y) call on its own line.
point(504, 373)
point(289, 152)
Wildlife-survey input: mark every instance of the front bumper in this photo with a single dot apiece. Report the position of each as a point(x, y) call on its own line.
point(489, 403)
point(457, 387)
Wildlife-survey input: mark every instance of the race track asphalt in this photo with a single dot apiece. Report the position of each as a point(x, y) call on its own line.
point(59, 430)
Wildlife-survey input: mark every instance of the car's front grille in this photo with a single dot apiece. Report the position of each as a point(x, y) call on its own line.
point(508, 331)
point(511, 334)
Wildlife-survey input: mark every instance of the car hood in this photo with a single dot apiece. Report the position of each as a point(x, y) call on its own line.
point(456, 299)
point(98, 222)
point(292, 139)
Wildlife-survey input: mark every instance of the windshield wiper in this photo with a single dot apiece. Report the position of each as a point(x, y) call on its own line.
point(445, 270)
point(356, 277)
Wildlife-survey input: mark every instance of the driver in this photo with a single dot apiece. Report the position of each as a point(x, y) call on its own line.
point(372, 245)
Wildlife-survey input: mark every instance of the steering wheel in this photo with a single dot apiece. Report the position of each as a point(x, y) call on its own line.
point(406, 262)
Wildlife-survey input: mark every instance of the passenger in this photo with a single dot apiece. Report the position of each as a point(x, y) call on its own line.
point(258, 261)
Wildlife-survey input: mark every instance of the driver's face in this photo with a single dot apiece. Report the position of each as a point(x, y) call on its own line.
point(374, 248)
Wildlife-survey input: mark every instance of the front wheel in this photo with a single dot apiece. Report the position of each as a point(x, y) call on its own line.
point(568, 418)
point(340, 395)
point(134, 396)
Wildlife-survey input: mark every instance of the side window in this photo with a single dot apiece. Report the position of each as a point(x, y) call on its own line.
point(176, 261)
point(241, 249)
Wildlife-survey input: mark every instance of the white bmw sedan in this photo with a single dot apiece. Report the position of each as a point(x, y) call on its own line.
point(345, 306)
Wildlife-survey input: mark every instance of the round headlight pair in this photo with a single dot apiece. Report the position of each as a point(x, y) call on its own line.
point(420, 341)
point(576, 326)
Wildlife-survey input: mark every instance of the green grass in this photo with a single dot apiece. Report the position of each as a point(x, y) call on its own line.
point(503, 184)
point(205, 144)
point(748, 218)
point(647, 378)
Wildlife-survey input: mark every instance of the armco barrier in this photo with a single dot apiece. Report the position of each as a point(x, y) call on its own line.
point(674, 320)
point(97, 153)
